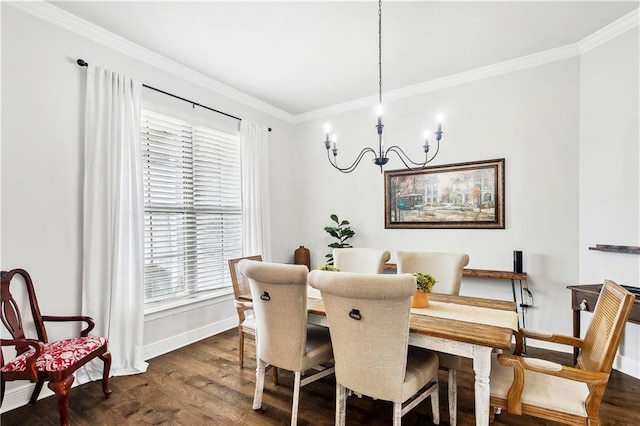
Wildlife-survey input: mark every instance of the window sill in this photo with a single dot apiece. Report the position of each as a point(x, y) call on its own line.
point(165, 308)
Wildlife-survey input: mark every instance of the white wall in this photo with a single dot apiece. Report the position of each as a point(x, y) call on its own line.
point(569, 133)
point(528, 117)
point(41, 172)
point(610, 172)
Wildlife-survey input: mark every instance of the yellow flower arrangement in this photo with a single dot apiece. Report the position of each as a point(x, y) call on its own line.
point(328, 268)
point(425, 282)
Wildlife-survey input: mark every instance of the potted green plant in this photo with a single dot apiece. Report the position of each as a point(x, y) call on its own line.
point(424, 286)
point(342, 232)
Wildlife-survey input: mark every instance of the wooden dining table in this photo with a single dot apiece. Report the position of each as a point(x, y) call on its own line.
point(475, 340)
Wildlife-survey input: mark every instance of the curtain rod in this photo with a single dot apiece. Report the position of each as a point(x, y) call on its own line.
point(83, 63)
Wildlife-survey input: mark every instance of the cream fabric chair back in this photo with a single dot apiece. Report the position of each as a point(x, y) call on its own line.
point(362, 260)
point(283, 337)
point(368, 317)
point(446, 268)
point(279, 294)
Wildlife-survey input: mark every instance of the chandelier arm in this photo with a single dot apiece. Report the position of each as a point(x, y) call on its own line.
point(392, 149)
point(381, 156)
point(437, 149)
point(353, 165)
point(405, 158)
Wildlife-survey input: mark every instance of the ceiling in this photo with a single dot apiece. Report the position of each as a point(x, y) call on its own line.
point(301, 56)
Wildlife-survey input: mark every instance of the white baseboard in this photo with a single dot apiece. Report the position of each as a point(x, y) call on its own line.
point(627, 366)
point(19, 396)
point(175, 342)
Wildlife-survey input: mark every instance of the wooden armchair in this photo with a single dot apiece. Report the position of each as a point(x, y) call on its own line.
point(39, 361)
point(242, 302)
point(569, 395)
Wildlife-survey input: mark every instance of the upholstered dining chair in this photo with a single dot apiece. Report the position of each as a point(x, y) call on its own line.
point(283, 337)
point(569, 395)
point(368, 317)
point(446, 268)
point(39, 360)
point(363, 260)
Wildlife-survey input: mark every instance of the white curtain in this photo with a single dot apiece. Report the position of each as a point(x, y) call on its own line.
point(113, 228)
point(255, 190)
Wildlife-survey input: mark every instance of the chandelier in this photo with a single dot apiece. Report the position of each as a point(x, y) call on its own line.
point(381, 156)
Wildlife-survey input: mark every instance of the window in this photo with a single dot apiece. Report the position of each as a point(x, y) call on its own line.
point(192, 203)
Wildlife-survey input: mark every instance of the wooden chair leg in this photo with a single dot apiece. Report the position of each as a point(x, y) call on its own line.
point(275, 375)
point(106, 358)
point(241, 347)
point(61, 389)
point(36, 392)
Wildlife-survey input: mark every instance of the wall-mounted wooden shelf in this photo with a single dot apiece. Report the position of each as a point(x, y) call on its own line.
point(479, 273)
point(616, 249)
point(487, 273)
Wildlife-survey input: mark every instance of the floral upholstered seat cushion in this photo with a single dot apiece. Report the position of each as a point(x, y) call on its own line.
point(58, 356)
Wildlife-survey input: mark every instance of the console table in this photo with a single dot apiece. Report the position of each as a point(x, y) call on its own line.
point(584, 298)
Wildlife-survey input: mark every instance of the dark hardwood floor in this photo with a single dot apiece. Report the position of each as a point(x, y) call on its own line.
point(201, 384)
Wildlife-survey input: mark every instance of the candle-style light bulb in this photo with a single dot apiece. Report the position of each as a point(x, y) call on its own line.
point(379, 114)
point(427, 134)
point(440, 119)
point(327, 129)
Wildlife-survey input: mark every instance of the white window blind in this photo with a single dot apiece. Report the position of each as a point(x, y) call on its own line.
point(192, 201)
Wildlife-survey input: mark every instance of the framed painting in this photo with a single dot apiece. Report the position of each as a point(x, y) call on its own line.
point(463, 196)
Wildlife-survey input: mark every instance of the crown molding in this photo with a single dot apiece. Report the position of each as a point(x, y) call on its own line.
point(614, 29)
point(73, 23)
point(481, 73)
point(59, 17)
